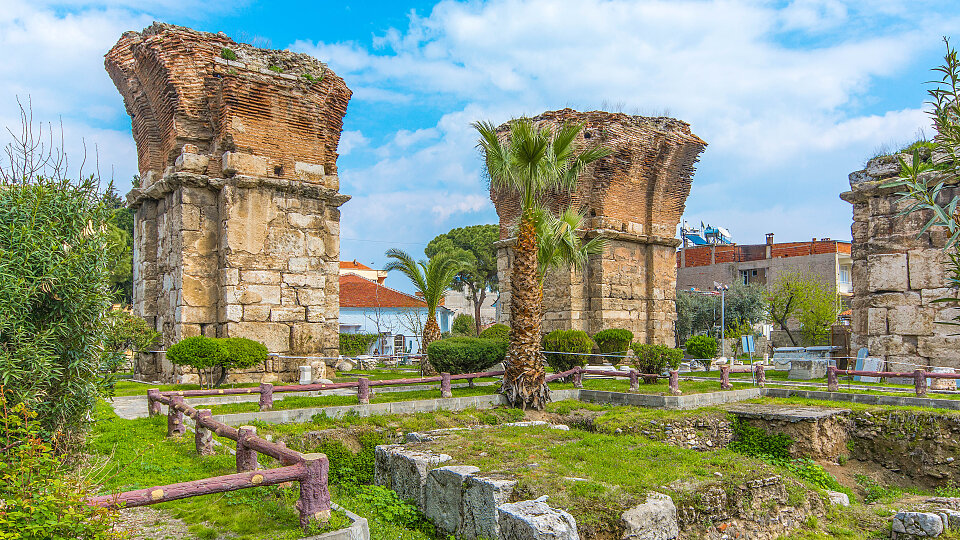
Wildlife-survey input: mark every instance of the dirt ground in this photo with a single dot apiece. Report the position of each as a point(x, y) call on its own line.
point(145, 523)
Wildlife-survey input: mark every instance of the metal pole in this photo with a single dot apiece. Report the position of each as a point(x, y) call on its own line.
point(723, 324)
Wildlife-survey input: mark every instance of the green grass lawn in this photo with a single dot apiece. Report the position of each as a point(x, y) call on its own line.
point(136, 454)
point(130, 388)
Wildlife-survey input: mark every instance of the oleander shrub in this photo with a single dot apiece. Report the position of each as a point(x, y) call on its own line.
point(654, 359)
point(54, 290)
point(565, 349)
point(356, 344)
point(460, 354)
point(615, 341)
point(497, 331)
point(464, 325)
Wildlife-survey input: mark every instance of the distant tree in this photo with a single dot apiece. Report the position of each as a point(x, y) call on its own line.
point(120, 246)
point(806, 299)
point(463, 325)
point(433, 278)
point(474, 244)
point(698, 313)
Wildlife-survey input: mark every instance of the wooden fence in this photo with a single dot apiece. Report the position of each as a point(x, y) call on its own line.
point(310, 470)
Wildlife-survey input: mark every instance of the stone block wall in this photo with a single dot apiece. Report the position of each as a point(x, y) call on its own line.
point(634, 198)
point(237, 225)
point(897, 275)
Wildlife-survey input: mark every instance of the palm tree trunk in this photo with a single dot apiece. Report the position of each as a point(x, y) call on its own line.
point(524, 379)
point(431, 333)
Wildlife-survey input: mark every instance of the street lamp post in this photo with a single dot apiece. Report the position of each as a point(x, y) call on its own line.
point(723, 325)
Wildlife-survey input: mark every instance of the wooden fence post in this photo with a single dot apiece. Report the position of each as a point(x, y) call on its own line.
point(675, 382)
point(246, 457)
point(634, 380)
point(153, 402)
point(175, 427)
point(761, 376)
point(920, 382)
point(363, 390)
point(725, 377)
point(314, 502)
point(203, 438)
point(832, 385)
point(578, 378)
point(266, 396)
point(446, 391)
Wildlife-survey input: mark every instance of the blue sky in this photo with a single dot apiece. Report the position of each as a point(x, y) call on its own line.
point(790, 95)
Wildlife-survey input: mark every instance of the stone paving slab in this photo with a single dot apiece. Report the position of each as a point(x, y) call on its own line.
point(788, 413)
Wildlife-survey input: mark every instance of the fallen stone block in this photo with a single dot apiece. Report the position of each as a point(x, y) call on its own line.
point(840, 499)
point(656, 519)
point(409, 472)
point(951, 518)
point(478, 505)
point(535, 520)
point(442, 495)
point(383, 465)
point(910, 525)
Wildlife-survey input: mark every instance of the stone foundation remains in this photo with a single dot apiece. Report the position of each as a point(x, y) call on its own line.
point(634, 198)
point(897, 275)
point(237, 227)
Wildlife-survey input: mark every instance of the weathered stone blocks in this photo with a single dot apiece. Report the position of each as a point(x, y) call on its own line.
point(237, 209)
point(634, 198)
point(911, 525)
point(405, 471)
point(443, 494)
point(535, 520)
point(482, 494)
point(655, 519)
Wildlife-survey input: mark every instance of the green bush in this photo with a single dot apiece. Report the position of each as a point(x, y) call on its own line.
point(356, 344)
point(464, 325)
point(460, 354)
point(559, 342)
point(199, 352)
point(755, 442)
point(54, 290)
point(702, 347)
point(497, 331)
point(41, 497)
point(122, 332)
point(242, 353)
point(613, 341)
point(654, 359)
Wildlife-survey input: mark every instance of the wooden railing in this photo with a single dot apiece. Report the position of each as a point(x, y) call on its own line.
point(919, 377)
point(310, 470)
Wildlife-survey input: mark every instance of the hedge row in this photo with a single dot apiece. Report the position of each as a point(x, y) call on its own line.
point(461, 354)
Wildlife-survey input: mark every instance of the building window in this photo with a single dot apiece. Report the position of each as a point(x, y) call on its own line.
point(844, 274)
point(399, 344)
point(754, 276)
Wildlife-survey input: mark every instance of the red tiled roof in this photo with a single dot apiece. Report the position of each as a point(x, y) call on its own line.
point(356, 291)
point(354, 265)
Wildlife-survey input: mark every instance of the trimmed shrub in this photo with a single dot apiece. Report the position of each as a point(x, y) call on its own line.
point(613, 341)
point(356, 344)
point(702, 348)
point(498, 331)
point(464, 325)
point(199, 352)
point(242, 353)
point(654, 359)
point(558, 342)
point(460, 354)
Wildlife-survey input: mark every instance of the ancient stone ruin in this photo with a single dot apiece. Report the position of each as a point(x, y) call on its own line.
point(237, 228)
point(634, 198)
point(897, 275)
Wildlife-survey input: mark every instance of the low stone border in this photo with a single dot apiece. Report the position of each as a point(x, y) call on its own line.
point(395, 407)
point(358, 529)
point(689, 401)
point(867, 399)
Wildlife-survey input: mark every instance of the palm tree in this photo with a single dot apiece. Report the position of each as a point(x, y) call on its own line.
point(433, 278)
point(559, 245)
point(531, 163)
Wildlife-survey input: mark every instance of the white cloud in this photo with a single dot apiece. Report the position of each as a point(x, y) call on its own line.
point(462, 204)
point(350, 141)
